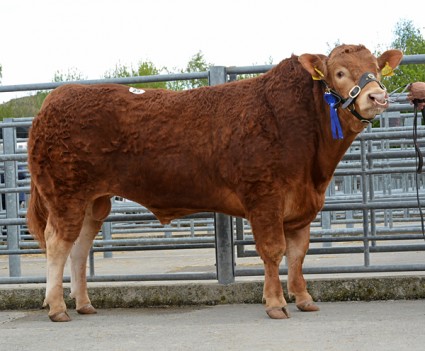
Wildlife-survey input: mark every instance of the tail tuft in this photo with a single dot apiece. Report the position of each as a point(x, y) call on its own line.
point(37, 214)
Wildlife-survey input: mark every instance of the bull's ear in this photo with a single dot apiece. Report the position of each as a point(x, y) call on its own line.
point(314, 64)
point(388, 61)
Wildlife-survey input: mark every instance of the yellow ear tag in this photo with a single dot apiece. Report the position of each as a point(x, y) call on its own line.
point(387, 71)
point(319, 72)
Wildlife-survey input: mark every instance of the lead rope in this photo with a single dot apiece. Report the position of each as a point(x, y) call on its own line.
point(418, 162)
point(419, 158)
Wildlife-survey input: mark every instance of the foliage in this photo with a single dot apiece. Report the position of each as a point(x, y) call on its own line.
point(73, 74)
point(27, 106)
point(196, 64)
point(145, 68)
point(253, 75)
point(409, 40)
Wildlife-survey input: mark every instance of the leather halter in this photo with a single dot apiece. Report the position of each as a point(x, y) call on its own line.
point(354, 92)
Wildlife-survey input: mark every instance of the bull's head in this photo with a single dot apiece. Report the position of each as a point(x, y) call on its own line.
point(351, 73)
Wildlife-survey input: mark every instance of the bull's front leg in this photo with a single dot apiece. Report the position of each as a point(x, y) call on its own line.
point(267, 227)
point(297, 246)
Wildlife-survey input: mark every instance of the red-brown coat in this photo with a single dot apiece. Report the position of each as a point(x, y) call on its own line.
point(260, 148)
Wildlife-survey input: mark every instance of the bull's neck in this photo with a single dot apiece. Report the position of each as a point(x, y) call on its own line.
point(330, 151)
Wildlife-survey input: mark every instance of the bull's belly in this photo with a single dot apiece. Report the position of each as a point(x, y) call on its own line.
point(168, 205)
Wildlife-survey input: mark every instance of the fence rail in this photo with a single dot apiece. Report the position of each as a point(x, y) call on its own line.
point(372, 206)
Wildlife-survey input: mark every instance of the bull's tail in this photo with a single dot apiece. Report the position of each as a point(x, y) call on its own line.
point(37, 214)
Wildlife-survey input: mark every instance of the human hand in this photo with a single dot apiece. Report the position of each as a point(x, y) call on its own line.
point(417, 94)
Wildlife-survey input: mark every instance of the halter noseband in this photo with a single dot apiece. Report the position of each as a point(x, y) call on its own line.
point(354, 92)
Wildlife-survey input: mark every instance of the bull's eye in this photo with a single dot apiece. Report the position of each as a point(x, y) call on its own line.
point(340, 74)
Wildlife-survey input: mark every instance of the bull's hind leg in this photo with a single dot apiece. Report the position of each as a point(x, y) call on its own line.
point(267, 228)
point(58, 246)
point(95, 213)
point(297, 246)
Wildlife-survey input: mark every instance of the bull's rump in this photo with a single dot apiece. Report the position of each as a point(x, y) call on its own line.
point(162, 149)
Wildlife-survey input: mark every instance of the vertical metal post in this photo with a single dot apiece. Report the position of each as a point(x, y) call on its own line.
point(371, 191)
point(11, 203)
point(325, 217)
point(365, 201)
point(107, 235)
point(224, 249)
point(240, 249)
point(348, 190)
point(168, 232)
point(192, 228)
point(91, 263)
point(217, 75)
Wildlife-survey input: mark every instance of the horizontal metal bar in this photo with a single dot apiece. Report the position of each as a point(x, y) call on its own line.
point(399, 107)
point(386, 135)
point(119, 278)
point(413, 59)
point(311, 251)
point(145, 216)
point(21, 189)
point(370, 205)
point(353, 250)
point(155, 241)
point(407, 59)
point(125, 80)
point(13, 221)
point(21, 252)
point(13, 157)
point(244, 272)
point(239, 272)
point(360, 249)
point(17, 124)
point(154, 247)
point(336, 239)
point(249, 69)
point(352, 172)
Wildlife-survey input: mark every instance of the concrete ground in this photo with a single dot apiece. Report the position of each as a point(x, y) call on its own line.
point(205, 315)
point(347, 326)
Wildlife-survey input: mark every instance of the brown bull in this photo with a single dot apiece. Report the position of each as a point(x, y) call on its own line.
point(260, 148)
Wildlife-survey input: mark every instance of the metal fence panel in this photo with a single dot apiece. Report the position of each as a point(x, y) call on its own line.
point(371, 208)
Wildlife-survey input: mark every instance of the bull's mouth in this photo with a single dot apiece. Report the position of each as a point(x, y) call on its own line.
point(376, 109)
point(378, 104)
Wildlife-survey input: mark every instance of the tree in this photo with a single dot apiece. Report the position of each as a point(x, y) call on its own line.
point(145, 68)
point(409, 40)
point(253, 75)
point(196, 64)
point(27, 106)
point(73, 74)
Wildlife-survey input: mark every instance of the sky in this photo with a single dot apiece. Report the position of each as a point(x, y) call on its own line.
point(41, 37)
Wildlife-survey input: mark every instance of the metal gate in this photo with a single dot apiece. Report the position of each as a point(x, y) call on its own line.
point(371, 210)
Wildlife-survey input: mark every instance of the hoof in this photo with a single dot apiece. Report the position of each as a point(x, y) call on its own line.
point(308, 306)
point(87, 309)
point(59, 317)
point(278, 312)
